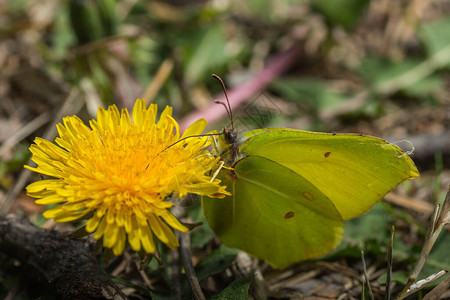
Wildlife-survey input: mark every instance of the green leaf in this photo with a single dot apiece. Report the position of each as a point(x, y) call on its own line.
point(429, 86)
point(207, 54)
point(143, 56)
point(62, 36)
point(380, 73)
point(377, 71)
point(138, 288)
point(399, 277)
point(155, 296)
point(362, 229)
point(108, 16)
point(435, 35)
point(218, 261)
point(79, 233)
point(237, 290)
point(201, 234)
point(308, 91)
point(85, 20)
point(341, 12)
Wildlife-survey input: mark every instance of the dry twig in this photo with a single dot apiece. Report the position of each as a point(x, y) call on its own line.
point(439, 290)
point(390, 261)
point(438, 221)
point(366, 277)
point(186, 255)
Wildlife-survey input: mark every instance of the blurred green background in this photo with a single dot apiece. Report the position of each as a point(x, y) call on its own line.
point(347, 51)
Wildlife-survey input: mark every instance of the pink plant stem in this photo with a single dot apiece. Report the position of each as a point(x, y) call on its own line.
point(239, 95)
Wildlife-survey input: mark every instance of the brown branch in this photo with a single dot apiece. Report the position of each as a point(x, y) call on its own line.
point(185, 248)
point(439, 290)
point(439, 219)
point(176, 271)
point(390, 262)
point(66, 266)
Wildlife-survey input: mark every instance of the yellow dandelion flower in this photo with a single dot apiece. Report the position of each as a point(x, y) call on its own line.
point(122, 173)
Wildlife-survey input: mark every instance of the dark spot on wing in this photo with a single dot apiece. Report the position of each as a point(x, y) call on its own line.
point(289, 214)
point(327, 154)
point(308, 196)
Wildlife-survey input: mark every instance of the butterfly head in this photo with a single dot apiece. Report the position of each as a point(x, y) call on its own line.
point(230, 135)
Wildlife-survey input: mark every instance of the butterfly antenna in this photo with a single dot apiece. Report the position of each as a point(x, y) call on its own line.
point(224, 105)
point(227, 108)
point(185, 138)
point(188, 137)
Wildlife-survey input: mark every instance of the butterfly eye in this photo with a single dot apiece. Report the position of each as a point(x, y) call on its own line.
point(230, 135)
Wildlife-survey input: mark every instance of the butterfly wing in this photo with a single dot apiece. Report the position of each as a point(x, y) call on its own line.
point(274, 214)
point(292, 188)
point(353, 171)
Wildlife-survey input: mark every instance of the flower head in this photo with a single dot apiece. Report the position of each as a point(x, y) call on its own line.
point(120, 172)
